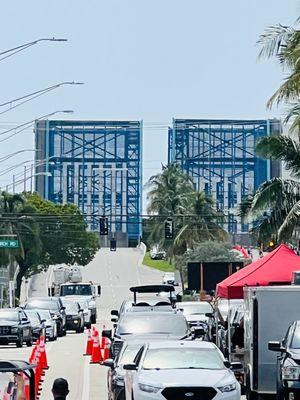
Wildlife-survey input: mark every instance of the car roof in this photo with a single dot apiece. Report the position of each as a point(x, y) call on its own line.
point(191, 303)
point(43, 299)
point(156, 313)
point(176, 344)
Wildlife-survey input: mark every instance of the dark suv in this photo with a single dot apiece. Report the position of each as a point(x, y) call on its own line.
point(288, 363)
point(54, 305)
point(15, 327)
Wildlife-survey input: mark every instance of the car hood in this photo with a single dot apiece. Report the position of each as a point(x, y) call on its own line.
point(186, 377)
point(7, 322)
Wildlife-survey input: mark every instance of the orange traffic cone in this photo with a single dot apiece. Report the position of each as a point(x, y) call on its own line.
point(96, 353)
point(27, 387)
point(106, 348)
point(43, 357)
point(89, 344)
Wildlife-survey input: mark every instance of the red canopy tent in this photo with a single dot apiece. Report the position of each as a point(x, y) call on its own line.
point(275, 267)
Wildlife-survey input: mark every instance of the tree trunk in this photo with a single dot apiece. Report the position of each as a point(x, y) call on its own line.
point(22, 271)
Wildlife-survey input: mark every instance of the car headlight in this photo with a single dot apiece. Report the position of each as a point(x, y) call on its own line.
point(75, 320)
point(291, 373)
point(149, 388)
point(14, 330)
point(227, 388)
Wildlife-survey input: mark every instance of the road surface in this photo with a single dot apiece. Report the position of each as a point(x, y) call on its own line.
point(116, 272)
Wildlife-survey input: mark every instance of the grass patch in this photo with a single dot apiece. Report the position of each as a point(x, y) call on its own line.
point(161, 265)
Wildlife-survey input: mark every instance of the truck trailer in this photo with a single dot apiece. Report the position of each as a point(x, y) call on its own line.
point(269, 310)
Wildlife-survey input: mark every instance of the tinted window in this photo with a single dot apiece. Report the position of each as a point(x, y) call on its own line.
point(152, 324)
point(296, 339)
point(44, 314)
point(77, 290)
point(197, 308)
point(183, 358)
point(45, 304)
point(9, 315)
point(129, 354)
point(33, 317)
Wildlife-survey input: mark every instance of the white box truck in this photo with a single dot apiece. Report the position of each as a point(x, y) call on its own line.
point(269, 310)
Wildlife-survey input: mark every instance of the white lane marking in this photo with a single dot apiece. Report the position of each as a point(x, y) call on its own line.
point(86, 380)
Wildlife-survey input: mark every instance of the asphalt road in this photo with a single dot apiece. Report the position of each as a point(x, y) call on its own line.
point(116, 272)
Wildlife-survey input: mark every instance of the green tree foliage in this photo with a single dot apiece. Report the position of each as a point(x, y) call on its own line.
point(48, 234)
point(195, 219)
point(275, 207)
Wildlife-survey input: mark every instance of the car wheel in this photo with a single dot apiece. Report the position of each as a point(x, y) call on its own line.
point(89, 325)
point(250, 395)
point(29, 342)
point(93, 319)
point(19, 343)
point(64, 332)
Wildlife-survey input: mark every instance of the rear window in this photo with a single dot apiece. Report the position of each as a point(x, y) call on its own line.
point(44, 304)
point(296, 339)
point(172, 324)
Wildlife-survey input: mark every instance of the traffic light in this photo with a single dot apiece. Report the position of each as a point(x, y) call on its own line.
point(169, 229)
point(103, 226)
point(113, 245)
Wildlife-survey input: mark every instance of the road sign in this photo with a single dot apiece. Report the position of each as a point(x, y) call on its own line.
point(11, 244)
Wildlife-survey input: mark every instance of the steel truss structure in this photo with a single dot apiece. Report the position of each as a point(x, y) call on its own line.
point(219, 155)
point(96, 165)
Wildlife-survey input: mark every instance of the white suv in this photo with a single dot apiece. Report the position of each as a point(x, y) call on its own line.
point(176, 370)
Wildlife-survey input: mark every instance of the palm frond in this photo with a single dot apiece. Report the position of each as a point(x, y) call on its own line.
point(289, 91)
point(282, 148)
point(290, 222)
point(273, 40)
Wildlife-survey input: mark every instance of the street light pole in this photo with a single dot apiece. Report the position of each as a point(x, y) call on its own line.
point(33, 95)
point(10, 52)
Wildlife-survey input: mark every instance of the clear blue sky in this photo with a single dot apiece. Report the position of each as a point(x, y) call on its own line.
point(140, 59)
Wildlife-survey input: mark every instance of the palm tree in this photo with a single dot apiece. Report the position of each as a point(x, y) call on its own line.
point(282, 42)
point(203, 224)
point(173, 195)
point(275, 208)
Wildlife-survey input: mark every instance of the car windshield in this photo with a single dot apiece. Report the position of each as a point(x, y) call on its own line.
point(9, 315)
point(296, 339)
point(76, 290)
point(173, 324)
point(44, 314)
point(45, 304)
point(33, 317)
point(129, 354)
point(196, 308)
point(183, 358)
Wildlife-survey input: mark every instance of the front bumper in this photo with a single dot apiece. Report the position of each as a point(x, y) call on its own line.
point(9, 339)
point(141, 395)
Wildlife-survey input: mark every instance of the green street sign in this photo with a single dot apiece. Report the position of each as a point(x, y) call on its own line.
point(9, 244)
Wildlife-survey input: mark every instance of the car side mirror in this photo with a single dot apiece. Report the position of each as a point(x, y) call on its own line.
point(114, 312)
point(114, 319)
point(24, 319)
point(108, 363)
point(43, 321)
point(62, 308)
point(130, 367)
point(274, 346)
point(227, 364)
point(81, 310)
point(236, 366)
point(107, 333)
point(209, 315)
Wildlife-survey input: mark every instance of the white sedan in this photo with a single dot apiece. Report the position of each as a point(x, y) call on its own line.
point(177, 370)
